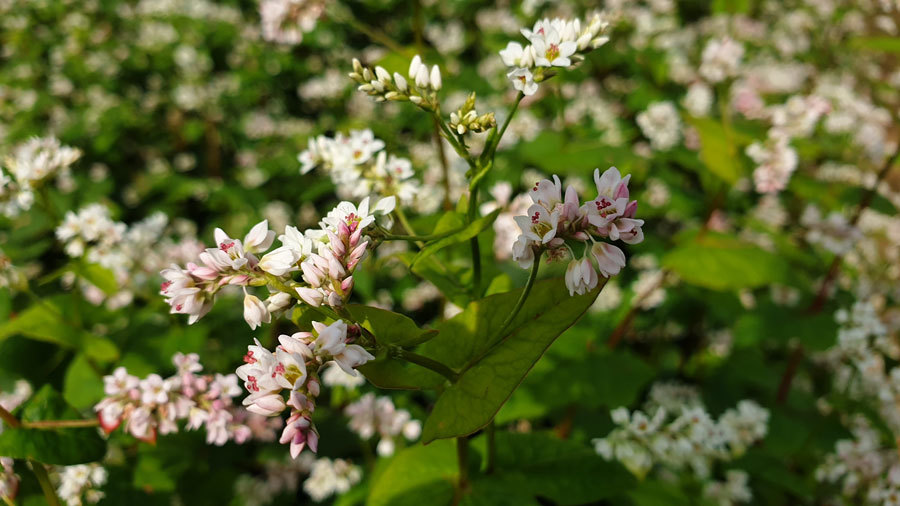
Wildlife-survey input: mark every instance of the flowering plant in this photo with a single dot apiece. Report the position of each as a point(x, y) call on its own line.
point(536, 252)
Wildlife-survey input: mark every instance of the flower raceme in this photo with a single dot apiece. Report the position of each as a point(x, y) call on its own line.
point(553, 220)
point(294, 366)
point(154, 405)
point(326, 256)
point(553, 43)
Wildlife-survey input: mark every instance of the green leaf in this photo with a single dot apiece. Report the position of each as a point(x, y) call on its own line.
point(781, 324)
point(723, 263)
point(566, 472)
point(83, 386)
point(470, 231)
point(493, 365)
point(44, 321)
point(416, 475)
point(390, 328)
point(59, 446)
point(717, 150)
point(387, 372)
point(97, 275)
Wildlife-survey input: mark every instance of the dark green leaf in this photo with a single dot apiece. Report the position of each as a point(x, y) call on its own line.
point(417, 475)
point(390, 328)
point(722, 263)
point(493, 365)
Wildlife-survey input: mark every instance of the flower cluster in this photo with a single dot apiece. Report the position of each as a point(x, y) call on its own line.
point(285, 21)
point(154, 405)
point(295, 366)
point(553, 43)
point(466, 118)
point(79, 484)
point(661, 124)
point(421, 89)
point(551, 221)
point(359, 166)
point(863, 467)
point(327, 273)
point(329, 477)
point(733, 490)
point(30, 165)
point(689, 439)
point(370, 415)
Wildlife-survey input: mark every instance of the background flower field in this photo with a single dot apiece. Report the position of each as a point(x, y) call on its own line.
point(309, 251)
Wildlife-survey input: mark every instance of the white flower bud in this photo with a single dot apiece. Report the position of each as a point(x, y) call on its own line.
point(382, 74)
point(255, 312)
point(414, 66)
point(435, 78)
point(400, 81)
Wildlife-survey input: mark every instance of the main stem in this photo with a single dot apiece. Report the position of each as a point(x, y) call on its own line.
point(521, 302)
point(9, 419)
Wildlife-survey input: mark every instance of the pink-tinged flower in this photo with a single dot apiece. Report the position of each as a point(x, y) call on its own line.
point(540, 225)
point(268, 404)
point(611, 184)
point(523, 252)
point(279, 301)
point(581, 276)
point(255, 312)
point(550, 50)
point(610, 259)
point(547, 193)
point(109, 414)
point(311, 296)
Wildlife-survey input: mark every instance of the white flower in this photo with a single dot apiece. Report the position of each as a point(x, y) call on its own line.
point(280, 261)
point(259, 238)
point(523, 80)
point(660, 123)
point(516, 56)
point(119, 382)
point(721, 59)
point(154, 390)
point(550, 50)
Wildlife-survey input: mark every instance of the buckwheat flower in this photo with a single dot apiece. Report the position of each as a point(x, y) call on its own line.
point(660, 123)
point(280, 261)
point(610, 259)
point(523, 80)
point(285, 21)
point(119, 382)
point(154, 390)
point(539, 225)
point(259, 238)
point(80, 483)
point(699, 99)
point(255, 312)
point(523, 252)
point(550, 50)
point(329, 478)
point(332, 340)
point(516, 56)
point(334, 375)
point(721, 59)
point(581, 276)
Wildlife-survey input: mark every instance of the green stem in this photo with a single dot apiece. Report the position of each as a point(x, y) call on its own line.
point(7, 501)
point(462, 455)
point(373, 33)
point(491, 448)
point(525, 292)
point(404, 221)
point(509, 116)
point(427, 363)
point(473, 242)
point(40, 472)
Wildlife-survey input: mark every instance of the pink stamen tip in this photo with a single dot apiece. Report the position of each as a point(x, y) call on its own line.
point(165, 285)
point(248, 358)
point(536, 218)
point(225, 246)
